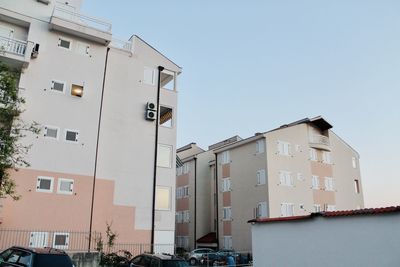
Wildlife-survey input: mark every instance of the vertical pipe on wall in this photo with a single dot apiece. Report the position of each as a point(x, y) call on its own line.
point(216, 199)
point(160, 69)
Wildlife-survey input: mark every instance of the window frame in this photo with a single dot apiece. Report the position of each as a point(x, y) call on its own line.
point(313, 154)
point(260, 146)
point(83, 44)
point(64, 83)
point(70, 141)
point(287, 206)
point(65, 39)
point(329, 184)
point(261, 177)
point(284, 177)
point(227, 213)
point(172, 118)
point(315, 182)
point(171, 149)
point(225, 157)
point(169, 198)
point(284, 147)
point(154, 76)
point(38, 189)
point(59, 191)
point(61, 246)
point(54, 128)
point(226, 184)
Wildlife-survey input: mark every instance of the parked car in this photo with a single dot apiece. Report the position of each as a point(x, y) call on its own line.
point(196, 255)
point(34, 257)
point(219, 257)
point(159, 260)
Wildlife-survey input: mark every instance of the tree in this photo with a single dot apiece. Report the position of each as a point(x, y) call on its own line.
point(12, 129)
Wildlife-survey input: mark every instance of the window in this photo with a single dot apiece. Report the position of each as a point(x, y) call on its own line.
point(262, 210)
point(286, 178)
point(51, 132)
point(64, 43)
point(166, 116)
point(65, 186)
point(326, 157)
point(283, 148)
point(185, 191)
point(330, 208)
point(315, 182)
point(225, 157)
point(184, 169)
point(163, 198)
point(313, 154)
point(317, 208)
point(71, 136)
point(44, 184)
point(149, 76)
point(179, 171)
point(357, 186)
point(227, 242)
point(261, 178)
point(226, 184)
point(82, 48)
point(61, 240)
point(260, 147)
point(179, 217)
point(354, 162)
point(38, 239)
point(227, 213)
point(287, 209)
point(329, 184)
point(57, 86)
point(186, 216)
point(179, 192)
point(167, 80)
point(164, 158)
point(77, 90)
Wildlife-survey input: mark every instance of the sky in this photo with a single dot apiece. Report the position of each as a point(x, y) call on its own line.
point(251, 66)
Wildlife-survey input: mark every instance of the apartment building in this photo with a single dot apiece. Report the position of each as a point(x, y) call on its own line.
point(294, 170)
point(107, 109)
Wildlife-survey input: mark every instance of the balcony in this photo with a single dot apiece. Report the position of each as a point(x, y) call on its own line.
point(80, 25)
point(320, 142)
point(15, 52)
point(122, 45)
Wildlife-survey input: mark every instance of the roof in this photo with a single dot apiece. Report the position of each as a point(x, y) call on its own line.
point(330, 214)
point(208, 238)
point(318, 122)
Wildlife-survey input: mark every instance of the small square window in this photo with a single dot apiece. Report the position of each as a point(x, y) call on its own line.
point(82, 48)
point(64, 43)
point(71, 136)
point(61, 240)
point(149, 76)
point(57, 86)
point(77, 90)
point(51, 132)
point(65, 186)
point(164, 158)
point(44, 184)
point(163, 198)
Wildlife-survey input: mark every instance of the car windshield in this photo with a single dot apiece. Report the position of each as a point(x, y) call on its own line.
point(174, 263)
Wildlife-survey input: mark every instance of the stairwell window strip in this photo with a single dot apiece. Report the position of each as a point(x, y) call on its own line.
point(287, 209)
point(329, 184)
point(261, 177)
point(315, 182)
point(225, 157)
point(284, 148)
point(227, 214)
point(285, 178)
point(226, 184)
point(313, 154)
point(260, 146)
point(326, 157)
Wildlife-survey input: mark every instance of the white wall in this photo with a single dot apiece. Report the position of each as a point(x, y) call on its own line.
point(366, 240)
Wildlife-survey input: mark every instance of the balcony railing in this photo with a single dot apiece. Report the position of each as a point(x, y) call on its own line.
point(12, 46)
point(81, 19)
point(319, 139)
point(124, 45)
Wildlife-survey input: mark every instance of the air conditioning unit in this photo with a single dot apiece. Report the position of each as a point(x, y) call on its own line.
point(151, 111)
point(35, 51)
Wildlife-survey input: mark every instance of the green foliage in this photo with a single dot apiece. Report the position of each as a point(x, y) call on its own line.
point(12, 129)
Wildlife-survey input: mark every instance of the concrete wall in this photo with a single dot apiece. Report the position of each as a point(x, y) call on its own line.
point(367, 240)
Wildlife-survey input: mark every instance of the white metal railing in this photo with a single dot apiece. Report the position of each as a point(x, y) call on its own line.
point(120, 44)
point(12, 46)
point(84, 20)
point(319, 139)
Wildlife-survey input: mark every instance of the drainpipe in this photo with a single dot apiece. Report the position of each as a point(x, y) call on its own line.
point(160, 69)
point(216, 198)
point(195, 200)
point(97, 150)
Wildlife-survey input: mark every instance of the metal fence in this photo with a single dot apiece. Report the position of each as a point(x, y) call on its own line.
point(74, 241)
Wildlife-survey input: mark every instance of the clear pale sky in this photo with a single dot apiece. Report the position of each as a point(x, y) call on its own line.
point(250, 66)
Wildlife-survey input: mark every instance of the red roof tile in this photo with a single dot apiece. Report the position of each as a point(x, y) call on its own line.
point(342, 213)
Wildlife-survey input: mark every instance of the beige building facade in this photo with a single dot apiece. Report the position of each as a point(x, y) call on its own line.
point(294, 170)
point(103, 151)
